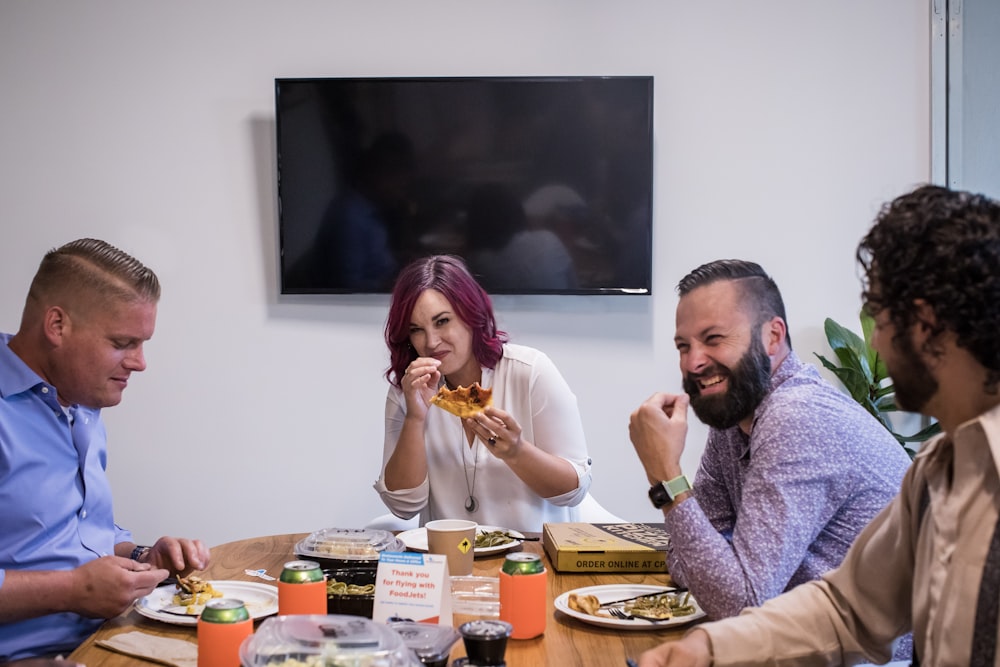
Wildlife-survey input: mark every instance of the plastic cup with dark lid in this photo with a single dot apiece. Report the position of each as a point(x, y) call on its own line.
point(485, 641)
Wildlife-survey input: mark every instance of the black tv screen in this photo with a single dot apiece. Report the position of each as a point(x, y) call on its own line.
point(542, 184)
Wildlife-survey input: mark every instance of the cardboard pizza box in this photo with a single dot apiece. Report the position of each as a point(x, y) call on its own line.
point(606, 547)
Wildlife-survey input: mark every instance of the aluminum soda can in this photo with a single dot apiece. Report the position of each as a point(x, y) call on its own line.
point(222, 626)
point(523, 588)
point(302, 588)
point(224, 610)
point(301, 572)
point(523, 563)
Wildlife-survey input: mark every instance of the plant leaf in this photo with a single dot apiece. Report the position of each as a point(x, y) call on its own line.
point(923, 434)
point(887, 404)
point(864, 375)
point(852, 378)
point(850, 349)
point(879, 371)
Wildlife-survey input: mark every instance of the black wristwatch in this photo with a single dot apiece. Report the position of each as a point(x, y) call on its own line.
point(139, 552)
point(665, 493)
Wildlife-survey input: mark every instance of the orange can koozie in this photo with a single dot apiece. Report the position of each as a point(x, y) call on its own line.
point(302, 589)
point(523, 586)
point(222, 627)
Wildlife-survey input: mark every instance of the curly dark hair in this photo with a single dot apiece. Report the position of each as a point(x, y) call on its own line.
point(941, 246)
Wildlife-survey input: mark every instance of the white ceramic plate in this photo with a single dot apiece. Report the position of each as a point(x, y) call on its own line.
point(261, 600)
point(619, 592)
point(416, 540)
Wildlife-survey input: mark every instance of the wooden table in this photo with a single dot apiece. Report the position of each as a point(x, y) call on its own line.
point(566, 641)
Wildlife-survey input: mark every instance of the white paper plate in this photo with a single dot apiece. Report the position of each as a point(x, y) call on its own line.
point(619, 592)
point(416, 540)
point(261, 600)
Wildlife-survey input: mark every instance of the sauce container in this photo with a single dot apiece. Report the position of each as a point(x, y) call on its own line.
point(485, 642)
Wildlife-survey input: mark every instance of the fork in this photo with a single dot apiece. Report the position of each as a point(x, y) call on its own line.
point(625, 616)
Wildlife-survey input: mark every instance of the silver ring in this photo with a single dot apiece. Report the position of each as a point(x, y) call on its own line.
point(492, 440)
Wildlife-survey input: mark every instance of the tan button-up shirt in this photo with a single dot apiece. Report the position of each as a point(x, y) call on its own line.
point(907, 570)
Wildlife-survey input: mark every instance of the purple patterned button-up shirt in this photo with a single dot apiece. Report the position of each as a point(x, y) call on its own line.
point(783, 505)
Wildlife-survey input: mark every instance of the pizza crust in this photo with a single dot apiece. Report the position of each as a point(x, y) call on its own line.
point(463, 401)
point(587, 604)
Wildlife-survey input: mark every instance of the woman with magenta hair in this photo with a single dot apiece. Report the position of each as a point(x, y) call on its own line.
point(518, 464)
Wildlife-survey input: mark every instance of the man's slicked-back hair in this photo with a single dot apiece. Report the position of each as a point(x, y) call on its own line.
point(756, 286)
point(94, 269)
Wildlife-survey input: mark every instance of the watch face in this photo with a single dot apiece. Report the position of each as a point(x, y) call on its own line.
point(658, 495)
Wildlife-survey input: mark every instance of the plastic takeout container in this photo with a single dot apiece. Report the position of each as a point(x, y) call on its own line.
point(325, 641)
point(429, 642)
point(339, 547)
point(350, 590)
point(474, 597)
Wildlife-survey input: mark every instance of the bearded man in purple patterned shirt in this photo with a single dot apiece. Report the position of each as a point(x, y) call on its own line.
point(793, 468)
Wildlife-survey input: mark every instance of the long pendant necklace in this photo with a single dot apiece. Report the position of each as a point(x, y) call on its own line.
point(471, 504)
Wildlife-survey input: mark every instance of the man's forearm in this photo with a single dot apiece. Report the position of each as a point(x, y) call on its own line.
point(29, 594)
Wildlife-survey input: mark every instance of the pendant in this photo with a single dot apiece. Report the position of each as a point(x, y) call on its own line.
point(471, 504)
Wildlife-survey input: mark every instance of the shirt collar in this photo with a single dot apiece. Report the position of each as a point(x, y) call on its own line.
point(15, 376)
point(788, 367)
point(985, 427)
point(982, 431)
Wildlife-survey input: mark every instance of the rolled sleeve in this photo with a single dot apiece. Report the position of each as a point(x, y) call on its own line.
point(404, 503)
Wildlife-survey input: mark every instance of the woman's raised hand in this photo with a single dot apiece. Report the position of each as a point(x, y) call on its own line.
point(419, 384)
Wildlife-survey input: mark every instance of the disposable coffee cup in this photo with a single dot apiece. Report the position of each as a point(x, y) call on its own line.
point(485, 641)
point(455, 539)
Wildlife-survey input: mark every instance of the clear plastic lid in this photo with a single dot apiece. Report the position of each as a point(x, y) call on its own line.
point(426, 639)
point(348, 544)
point(324, 641)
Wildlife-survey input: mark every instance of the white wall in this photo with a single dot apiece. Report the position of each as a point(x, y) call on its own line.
point(781, 125)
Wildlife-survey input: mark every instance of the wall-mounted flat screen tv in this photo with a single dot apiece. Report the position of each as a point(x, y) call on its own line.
point(542, 184)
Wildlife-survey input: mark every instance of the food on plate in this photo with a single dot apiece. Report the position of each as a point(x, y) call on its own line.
point(463, 401)
point(193, 592)
point(493, 538)
point(661, 607)
point(587, 604)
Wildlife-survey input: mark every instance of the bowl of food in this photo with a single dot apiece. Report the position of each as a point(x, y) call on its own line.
point(314, 640)
point(350, 590)
point(347, 547)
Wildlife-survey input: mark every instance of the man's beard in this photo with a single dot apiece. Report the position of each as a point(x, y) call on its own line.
point(749, 382)
point(911, 378)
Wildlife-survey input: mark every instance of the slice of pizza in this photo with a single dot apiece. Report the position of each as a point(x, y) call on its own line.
point(463, 401)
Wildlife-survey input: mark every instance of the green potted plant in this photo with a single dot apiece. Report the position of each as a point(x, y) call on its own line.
point(864, 375)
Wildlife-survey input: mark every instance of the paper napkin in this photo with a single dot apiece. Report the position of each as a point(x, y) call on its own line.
point(162, 650)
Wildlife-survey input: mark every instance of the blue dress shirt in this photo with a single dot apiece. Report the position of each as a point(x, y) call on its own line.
point(55, 499)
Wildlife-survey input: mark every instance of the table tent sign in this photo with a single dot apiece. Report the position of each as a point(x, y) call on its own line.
point(412, 586)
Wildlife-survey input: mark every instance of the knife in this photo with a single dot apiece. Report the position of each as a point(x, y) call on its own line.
point(644, 595)
point(177, 610)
